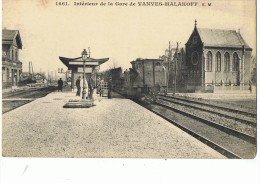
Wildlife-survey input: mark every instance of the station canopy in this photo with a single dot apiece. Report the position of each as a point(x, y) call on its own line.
point(78, 62)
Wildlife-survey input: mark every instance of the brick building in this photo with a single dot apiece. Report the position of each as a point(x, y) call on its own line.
point(217, 60)
point(11, 65)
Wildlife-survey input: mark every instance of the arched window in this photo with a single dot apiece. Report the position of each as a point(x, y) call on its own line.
point(218, 62)
point(195, 38)
point(226, 62)
point(195, 58)
point(209, 61)
point(16, 55)
point(235, 63)
point(157, 64)
point(138, 65)
point(12, 55)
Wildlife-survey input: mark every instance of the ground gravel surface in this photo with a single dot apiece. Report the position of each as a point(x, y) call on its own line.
point(112, 128)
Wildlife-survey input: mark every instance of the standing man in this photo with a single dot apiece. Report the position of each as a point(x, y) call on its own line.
point(250, 86)
point(100, 88)
point(78, 86)
point(91, 86)
point(98, 85)
point(60, 85)
point(110, 88)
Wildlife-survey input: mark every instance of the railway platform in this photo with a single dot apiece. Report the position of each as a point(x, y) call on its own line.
point(113, 128)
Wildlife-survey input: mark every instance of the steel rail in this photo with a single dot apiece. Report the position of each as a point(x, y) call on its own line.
point(216, 106)
point(205, 140)
point(244, 121)
point(238, 134)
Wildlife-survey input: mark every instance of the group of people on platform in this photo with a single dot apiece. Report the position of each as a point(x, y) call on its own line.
point(89, 86)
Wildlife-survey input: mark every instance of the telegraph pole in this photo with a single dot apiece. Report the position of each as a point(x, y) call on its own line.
point(176, 61)
point(29, 67)
point(89, 52)
point(169, 66)
point(169, 59)
point(32, 68)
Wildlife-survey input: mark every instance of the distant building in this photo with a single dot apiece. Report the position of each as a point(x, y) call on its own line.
point(217, 59)
point(11, 65)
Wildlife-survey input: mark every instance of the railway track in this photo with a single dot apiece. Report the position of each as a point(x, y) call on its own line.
point(12, 100)
point(31, 92)
point(237, 115)
point(17, 93)
point(229, 141)
point(250, 137)
point(245, 111)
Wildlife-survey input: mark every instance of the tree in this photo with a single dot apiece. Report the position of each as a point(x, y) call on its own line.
point(253, 70)
point(113, 64)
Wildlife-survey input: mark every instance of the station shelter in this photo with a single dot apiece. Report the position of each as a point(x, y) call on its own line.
point(75, 65)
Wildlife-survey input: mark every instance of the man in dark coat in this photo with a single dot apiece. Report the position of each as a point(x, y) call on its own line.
point(110, 88)
point(60, 85)
point(78, 86)
point(91, 86)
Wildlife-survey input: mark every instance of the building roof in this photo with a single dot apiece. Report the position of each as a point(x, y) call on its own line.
point(221, 38)
point(145, 60)
point(8, 36)
point(78, 61)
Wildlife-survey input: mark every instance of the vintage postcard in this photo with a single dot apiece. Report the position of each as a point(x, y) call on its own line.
point(155, 80)
point(129, 79)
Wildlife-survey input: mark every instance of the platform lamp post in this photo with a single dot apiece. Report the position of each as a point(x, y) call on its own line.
point(84, 58)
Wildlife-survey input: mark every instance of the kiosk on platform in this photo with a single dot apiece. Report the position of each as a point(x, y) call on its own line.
point(76, 66)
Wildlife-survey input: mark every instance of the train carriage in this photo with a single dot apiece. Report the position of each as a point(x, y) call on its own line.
point(147, 74)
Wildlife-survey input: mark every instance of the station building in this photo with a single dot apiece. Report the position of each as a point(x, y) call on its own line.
point(11, 65)
point(217, 60)
point(75, 65)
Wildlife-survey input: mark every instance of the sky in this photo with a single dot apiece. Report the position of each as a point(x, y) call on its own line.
point(121, 33)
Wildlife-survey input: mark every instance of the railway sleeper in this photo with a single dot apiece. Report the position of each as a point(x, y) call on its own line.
point(230, 131)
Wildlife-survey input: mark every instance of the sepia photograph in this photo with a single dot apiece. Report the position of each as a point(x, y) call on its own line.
point(124, 79)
